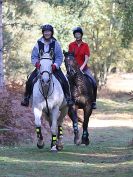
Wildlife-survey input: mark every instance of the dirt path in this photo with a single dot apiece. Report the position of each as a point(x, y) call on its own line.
point(109, 154)
point(114, 112)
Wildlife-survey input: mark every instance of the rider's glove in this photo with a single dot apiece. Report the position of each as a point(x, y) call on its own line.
point(53, 67)
point(37, 65)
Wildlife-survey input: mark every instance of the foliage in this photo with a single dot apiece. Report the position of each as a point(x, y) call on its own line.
point(125, 15)
point(102, 22)
point(15, 23)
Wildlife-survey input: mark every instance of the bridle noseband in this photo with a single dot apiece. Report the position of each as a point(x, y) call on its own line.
point(50, 75)
point(46, 84)
point(71, 70)
point(43, 84)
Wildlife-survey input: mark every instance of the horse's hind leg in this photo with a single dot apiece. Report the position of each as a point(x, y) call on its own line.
point(54, 117)
point(60, 138)
point(64, 111)
point(38, 114)
point(40, 143)
point(85, 135)
point(72, 112)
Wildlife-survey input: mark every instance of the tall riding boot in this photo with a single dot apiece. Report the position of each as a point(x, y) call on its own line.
point(69, 100)
point(67, 93)
point(29, 88)
point(95, 96)
point(27, 94)
point(65, 86)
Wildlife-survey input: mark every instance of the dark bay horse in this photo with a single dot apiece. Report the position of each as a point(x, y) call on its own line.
point(82, 95)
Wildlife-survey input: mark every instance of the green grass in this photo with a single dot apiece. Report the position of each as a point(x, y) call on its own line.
point(94, 160)
point(108, 154)
point(114, 106)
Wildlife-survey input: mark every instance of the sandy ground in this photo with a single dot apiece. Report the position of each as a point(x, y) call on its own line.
point(120, 82)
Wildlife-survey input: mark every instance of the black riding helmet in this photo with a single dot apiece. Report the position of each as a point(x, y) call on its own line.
point(78, 30)
point(47, 27)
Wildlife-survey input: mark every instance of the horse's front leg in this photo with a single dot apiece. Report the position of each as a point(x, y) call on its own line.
point(38, 114)
point(60, 138)
point(55, 113)
point(72, 112)
point(85, 135)
point(63, 113)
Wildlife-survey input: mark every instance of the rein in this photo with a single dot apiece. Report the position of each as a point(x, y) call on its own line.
point(42, 86)
point(45, 58)
point(46, 97)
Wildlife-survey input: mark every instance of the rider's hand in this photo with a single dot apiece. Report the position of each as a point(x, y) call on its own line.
point(53, 67)
point(81, 68)
point(37, 65)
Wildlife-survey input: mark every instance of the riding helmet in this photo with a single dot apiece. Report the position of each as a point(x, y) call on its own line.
point(78, 30)
point(47, 27)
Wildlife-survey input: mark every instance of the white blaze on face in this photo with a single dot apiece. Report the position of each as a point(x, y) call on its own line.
point(46, 62)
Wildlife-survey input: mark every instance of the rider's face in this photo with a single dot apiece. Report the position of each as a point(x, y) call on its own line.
point(47, 34)
point(78, 36)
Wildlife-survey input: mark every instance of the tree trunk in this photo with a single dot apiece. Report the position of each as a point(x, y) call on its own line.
point(1, 50)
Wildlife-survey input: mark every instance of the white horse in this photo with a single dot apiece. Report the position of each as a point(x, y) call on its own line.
point(48, 98)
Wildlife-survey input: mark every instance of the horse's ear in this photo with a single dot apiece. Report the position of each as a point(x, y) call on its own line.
point(64, 52)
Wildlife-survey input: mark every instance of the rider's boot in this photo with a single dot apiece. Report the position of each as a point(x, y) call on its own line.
point(67, 94)
point(65, 86)
point(27, 94)
point(69, 100)
point(25, 101)
point(94, 106)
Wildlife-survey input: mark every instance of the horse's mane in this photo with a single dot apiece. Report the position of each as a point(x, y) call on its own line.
point(79, 82)
point(82, 84)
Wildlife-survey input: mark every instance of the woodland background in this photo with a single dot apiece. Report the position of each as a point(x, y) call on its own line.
point(107, 25)
point(108, 29)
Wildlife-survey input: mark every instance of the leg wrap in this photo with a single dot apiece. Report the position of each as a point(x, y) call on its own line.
point(85, 134)
point(39, 133)
point(60, 132)
point(54, 140)
point(75, 127)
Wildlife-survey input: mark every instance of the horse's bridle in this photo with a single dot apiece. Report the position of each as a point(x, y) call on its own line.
point(44, 84)
point(50, 75)
point(42, 81)
point(70, 69)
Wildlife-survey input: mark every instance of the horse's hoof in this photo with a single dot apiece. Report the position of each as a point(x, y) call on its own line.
point(40, 144)
point(59, 147)
point(77, 139)
point(78, 143)
point(85, 141)
point(54, 148)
